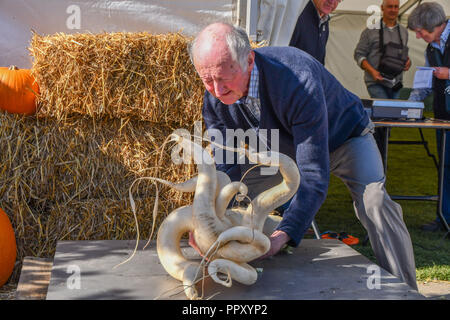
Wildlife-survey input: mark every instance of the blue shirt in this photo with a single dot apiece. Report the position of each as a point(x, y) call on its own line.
point(251, 102)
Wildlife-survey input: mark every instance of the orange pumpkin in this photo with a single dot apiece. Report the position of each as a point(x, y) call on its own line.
point(18, 90)
point(8, 248)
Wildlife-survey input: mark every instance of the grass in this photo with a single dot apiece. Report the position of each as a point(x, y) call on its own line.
point(410, 172)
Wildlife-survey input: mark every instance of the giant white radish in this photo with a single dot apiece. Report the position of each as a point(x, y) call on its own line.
point(227, 238)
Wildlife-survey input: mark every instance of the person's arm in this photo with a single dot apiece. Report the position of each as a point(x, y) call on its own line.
point(361, 52)
point(442, 73)
point(308, 120)
point(407, 65)
point(374, 73)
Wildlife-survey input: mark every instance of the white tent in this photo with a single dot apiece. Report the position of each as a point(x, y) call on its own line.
point(270, 20)
point(345, 29)
point(346, 25)
point(19, 17)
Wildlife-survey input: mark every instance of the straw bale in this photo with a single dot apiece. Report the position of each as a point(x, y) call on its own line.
point(96, 219)
point(117, 75)
point(48, 160)
point(48, 168)
point(107, 103)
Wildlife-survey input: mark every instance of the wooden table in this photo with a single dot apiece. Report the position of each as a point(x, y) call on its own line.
point(322, 269)
point(420, 124)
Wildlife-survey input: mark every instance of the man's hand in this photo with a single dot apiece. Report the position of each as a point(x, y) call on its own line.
point(376, 75)
point(365, 65)
point(407, 65)
point(277, 241)
point(193, 244)
point(441, 73)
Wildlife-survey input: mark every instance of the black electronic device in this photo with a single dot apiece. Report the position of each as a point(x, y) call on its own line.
point(393, 109)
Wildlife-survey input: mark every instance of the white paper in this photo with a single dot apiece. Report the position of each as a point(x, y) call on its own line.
point(423, 78)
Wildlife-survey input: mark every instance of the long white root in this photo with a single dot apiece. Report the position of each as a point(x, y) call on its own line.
point(227, 238)
point(168, 247)
point(241, 272)
point(242, 244)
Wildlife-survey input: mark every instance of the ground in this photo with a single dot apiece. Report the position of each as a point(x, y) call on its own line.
point(435, 290)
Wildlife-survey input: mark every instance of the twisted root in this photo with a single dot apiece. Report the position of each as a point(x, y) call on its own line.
point(228, 238)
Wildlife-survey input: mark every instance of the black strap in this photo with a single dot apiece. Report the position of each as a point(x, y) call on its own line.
point(382, 36)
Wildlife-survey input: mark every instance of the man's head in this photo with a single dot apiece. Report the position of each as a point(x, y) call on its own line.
point(325, 7)
point(390, 9)
point(427, 21)
point(222, 55)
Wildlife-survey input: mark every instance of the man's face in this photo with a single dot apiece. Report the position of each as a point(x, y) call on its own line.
point(390, 9)
point(326, 6)
point(223, 77)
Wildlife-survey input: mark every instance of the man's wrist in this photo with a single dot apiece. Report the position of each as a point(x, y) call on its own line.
point(281, 235)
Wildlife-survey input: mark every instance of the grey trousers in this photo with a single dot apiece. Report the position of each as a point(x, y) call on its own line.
point(358, 164)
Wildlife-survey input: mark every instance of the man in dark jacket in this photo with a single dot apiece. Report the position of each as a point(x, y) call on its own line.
point(319, 123)
point(311, 31)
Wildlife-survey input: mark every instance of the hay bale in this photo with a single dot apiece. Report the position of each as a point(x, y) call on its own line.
point(117, 75)
point(48, 164)
point(107, 103)
point(98, 219)
point(45, 159)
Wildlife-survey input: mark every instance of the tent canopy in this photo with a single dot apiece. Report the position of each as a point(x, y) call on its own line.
point(346, 26)
point(360, 6)
point(18, 18)
point(269, 20)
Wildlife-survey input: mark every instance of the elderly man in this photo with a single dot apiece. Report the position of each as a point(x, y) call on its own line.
point(369, 52)
point(430, 23)
point(320, 124)
point(311, 31)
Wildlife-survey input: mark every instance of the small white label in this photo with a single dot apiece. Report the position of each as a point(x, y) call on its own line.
point(74, 20)
point(74, 280)
point(374, 280)
point(413, 113)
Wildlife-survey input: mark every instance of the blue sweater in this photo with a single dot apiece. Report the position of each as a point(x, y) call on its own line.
point(315, 115)
point(308, 35)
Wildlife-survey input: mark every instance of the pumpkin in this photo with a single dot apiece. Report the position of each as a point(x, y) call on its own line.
point(8, 248)
point(18, 90)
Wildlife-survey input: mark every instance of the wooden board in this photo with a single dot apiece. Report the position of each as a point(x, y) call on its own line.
point(34, 278)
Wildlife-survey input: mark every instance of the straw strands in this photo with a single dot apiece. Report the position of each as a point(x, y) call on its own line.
point(117, 75)
point(70, 180)
point(107, 103)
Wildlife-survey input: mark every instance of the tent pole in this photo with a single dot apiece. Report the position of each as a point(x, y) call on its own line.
point(406, 7)
point(252, 19)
